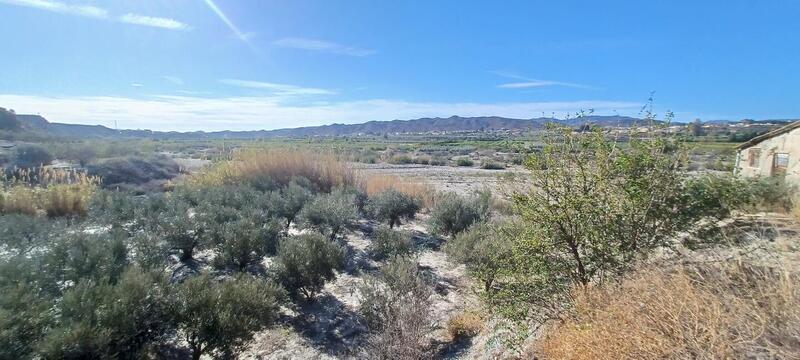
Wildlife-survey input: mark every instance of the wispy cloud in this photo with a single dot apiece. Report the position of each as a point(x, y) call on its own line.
point(277, 89)
point(159, 22)
point(322, 46)
point(99, 13)
point(187, 113)
point(57, 6)
point(137, 85)
point(173, 79)
point(525, 82)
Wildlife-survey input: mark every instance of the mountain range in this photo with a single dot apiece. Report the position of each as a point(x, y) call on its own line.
point(423, 125)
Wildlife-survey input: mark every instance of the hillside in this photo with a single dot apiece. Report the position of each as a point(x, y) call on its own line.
point(423, 125)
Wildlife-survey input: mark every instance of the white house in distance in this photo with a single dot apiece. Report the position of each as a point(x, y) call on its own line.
point(776, 153)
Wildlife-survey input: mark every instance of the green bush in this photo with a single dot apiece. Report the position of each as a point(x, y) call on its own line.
point(219, 318)
point(305, 262)
point(29, 156)
point(391, 205)
point(329, 213)
point(464, 162)
point(485, 248)
point(492, 165)
point(247, 240)
point(23, 233)
point(179, 229)
point(453, 214)
point(103, 320)
point(597, 210)
point(292, 199)
point(387, 243)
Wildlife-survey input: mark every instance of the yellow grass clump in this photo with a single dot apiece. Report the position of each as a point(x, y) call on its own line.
point(262, 167)
point(372, 184)
point(464, 325)
point(722, 311)
point(54, 192)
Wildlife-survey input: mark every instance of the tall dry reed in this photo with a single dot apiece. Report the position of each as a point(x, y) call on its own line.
point(54, 192)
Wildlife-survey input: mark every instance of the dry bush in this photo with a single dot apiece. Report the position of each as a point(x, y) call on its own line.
point(464, 325)
point(55, 192)
point(721, 311)
point(276, 168)
point(373, 184)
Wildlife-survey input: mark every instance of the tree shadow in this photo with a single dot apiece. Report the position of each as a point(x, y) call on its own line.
point(453, 349)
point(329, 325)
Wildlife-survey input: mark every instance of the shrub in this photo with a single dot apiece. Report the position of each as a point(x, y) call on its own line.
point(178, 229)
point(453, 214)
point(8, 120)
point(713, 311)
point(329, 213)
point(388, 243)
point(597, 209)
point(247, 240)
point(76, 257)
point(396, 311)
point(305, 262)
point(464, 325)
point(392, 206)
point(30, 156)
point(492, 165)
point(464, 162)
point(100, 320)
point(23, 233)
point(219, 318)
point(485, 248)
point(401, 160)
point(293, 197)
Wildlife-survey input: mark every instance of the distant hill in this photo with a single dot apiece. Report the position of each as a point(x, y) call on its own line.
point(423, 125)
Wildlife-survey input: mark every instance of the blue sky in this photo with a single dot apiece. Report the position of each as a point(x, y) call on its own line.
point(263, 64)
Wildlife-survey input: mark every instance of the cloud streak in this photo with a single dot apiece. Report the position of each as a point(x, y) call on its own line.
point(187, 113)
point(159, 22)
point(60, 7)
point(91, 11)
point(526, 83)
point(321, 46)
point(277, 89)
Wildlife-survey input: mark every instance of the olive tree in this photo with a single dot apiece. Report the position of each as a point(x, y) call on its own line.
point(485, 248)
point(219, 318)
point(387, 242)
point(305, 262)
point(391, 206)
point(329, 213)
point(453, 213)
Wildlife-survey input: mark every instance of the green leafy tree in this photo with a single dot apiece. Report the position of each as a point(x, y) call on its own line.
point(305, 262)
point(597, 209)
point(219, 318)
point(329, 213)
point(392, 206)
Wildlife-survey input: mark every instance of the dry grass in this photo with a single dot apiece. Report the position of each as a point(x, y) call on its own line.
point(464, 325)
point(721, 311)
point(372, 184)
point(262, 167)
point(51, 191)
